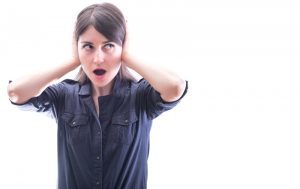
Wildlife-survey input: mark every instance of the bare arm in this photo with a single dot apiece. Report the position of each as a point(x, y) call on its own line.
point(168, 84)
point(22, 89)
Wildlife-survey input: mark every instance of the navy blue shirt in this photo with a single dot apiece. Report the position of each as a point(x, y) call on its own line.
point(105, 151)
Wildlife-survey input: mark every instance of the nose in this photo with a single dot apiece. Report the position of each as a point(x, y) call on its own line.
point(99, 56)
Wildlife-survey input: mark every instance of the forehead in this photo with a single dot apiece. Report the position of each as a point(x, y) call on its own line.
point(92, 35)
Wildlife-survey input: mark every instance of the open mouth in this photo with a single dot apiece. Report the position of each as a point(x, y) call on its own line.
point(99, 72)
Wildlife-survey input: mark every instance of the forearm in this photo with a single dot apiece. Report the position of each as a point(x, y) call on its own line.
point(168, 84)
point(21, 90)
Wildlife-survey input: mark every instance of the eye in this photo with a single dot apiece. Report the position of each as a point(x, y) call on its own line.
point(108, 46)
point(87, 46)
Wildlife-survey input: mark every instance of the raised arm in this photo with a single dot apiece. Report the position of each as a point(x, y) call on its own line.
point(26, 87)
point(168, 84)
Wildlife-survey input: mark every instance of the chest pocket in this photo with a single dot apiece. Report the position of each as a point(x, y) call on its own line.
point(76, 127)
point(123, 128)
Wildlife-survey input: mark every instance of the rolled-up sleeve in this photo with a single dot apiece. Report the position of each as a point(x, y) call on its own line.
point(152, 101)
point(45, 102)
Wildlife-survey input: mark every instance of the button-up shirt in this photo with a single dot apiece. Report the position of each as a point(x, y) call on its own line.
point(108, 150)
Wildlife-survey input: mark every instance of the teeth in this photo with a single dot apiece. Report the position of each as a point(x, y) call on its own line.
point(99, 72)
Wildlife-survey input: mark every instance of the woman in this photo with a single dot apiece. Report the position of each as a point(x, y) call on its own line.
point(104, 116)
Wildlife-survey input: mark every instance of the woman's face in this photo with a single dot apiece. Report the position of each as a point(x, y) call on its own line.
point(100, 59)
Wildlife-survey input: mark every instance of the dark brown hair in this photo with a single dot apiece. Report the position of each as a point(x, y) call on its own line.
point(108, 20)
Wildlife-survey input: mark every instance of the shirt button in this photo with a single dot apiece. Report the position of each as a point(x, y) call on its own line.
point(74, 122)
point(98, 157)
point(99, 133)
point(126, 121)
point(97, 182)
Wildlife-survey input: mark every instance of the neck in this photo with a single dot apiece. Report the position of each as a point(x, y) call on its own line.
point(103, 91)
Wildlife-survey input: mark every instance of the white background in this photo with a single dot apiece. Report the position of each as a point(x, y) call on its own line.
point(238, 126)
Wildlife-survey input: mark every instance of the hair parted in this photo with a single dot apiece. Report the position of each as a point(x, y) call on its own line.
point(108, 20)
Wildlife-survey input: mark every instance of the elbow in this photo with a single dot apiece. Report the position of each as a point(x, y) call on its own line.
point(175, 91)
point(13, 95)
point(179, 89)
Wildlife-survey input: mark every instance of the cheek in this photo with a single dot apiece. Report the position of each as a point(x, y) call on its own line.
point(117, 55)
point(85, 59)
point(85, 62)
point(81, 55)
point(117, 59)
point(116, 62)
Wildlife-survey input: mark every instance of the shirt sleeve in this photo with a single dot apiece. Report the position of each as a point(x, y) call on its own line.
point(45, 102)
point(152, 102)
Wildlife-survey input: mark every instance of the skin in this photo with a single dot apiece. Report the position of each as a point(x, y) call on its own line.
point(167, 83)
point(94, 51)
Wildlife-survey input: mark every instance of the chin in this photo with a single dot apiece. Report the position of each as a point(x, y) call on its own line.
point(102, 83)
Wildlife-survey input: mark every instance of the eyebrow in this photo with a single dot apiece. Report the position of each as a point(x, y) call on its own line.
point(88, 42)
